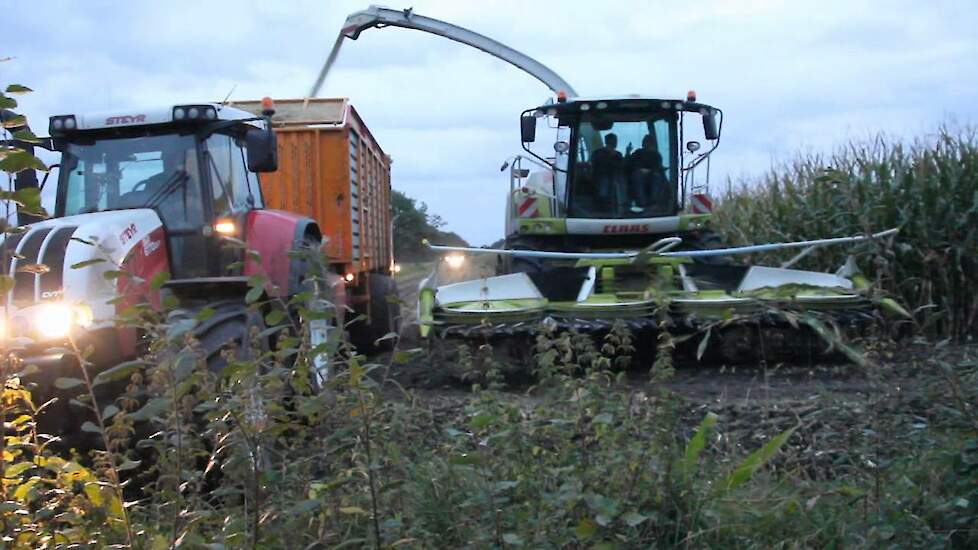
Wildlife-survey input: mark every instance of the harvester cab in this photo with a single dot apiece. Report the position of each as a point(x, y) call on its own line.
point(621, 175)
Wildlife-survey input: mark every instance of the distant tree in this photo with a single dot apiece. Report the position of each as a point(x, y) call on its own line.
point(412, 224)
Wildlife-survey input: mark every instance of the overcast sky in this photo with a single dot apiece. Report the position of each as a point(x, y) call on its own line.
point(790, 76)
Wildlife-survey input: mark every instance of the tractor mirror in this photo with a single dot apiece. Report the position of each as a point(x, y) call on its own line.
point(528, 128)
point(262, 150)
point(710, 130)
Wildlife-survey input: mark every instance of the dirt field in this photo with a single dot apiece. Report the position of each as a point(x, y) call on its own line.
point(901, 382)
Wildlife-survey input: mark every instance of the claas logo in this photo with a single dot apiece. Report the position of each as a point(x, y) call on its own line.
point(629, 228)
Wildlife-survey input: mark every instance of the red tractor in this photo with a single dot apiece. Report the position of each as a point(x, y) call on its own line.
point(159, 194)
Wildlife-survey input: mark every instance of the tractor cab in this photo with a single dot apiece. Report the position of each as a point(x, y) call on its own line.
point(194, 165)
point(621, 166)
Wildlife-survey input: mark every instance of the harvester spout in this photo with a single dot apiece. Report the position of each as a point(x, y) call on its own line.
point(379, 17)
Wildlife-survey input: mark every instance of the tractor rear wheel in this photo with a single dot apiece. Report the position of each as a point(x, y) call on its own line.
point(236, 327)
point(230, 324)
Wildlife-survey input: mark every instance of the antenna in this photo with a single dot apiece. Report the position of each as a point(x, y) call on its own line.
point(227, 97)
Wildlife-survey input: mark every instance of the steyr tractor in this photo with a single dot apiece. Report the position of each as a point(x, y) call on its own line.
point(147, 193)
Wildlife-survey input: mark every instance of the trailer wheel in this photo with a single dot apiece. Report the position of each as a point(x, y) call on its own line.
point(385, 315)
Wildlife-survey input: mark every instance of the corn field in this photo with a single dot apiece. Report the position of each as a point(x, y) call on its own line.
point(927, 188)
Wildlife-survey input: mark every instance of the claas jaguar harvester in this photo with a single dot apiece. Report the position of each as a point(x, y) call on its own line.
point(610, 225)
point(161, 191)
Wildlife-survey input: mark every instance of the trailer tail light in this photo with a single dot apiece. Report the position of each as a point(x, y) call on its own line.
point(194, 112)
point(225, 227)
point(61, 124)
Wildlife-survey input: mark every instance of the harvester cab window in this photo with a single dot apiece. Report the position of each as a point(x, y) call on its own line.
point(623, 166)
point(158, 172)
point(234, 188)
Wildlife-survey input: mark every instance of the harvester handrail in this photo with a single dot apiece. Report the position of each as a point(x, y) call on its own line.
point(750, 249)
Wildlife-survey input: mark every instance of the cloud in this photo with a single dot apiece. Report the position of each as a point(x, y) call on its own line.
point(789, 76)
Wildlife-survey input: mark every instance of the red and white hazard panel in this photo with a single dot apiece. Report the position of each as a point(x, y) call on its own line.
point(701, 204)
point(528, 208)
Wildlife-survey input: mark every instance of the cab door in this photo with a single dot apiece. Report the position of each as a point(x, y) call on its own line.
point(232, 191)
point(184, 216)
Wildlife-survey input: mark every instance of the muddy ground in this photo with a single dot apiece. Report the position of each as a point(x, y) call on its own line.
point(838, 408)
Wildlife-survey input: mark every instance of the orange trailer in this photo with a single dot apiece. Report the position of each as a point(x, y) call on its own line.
point(332, 170)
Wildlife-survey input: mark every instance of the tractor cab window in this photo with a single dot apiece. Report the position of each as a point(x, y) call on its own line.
point(623, 166)
point(234, 188)
point(158, 172)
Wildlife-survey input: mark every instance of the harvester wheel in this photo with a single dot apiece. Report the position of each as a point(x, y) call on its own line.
point(509, 264)
point(525, 265)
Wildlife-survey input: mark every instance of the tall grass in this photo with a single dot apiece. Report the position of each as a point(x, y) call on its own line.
point(928, 188)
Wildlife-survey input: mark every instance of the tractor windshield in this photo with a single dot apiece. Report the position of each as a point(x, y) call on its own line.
point(624, 165)
point(159, 172)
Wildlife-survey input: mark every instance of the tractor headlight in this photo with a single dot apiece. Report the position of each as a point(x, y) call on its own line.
point(225, 227)
point(55, 320)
